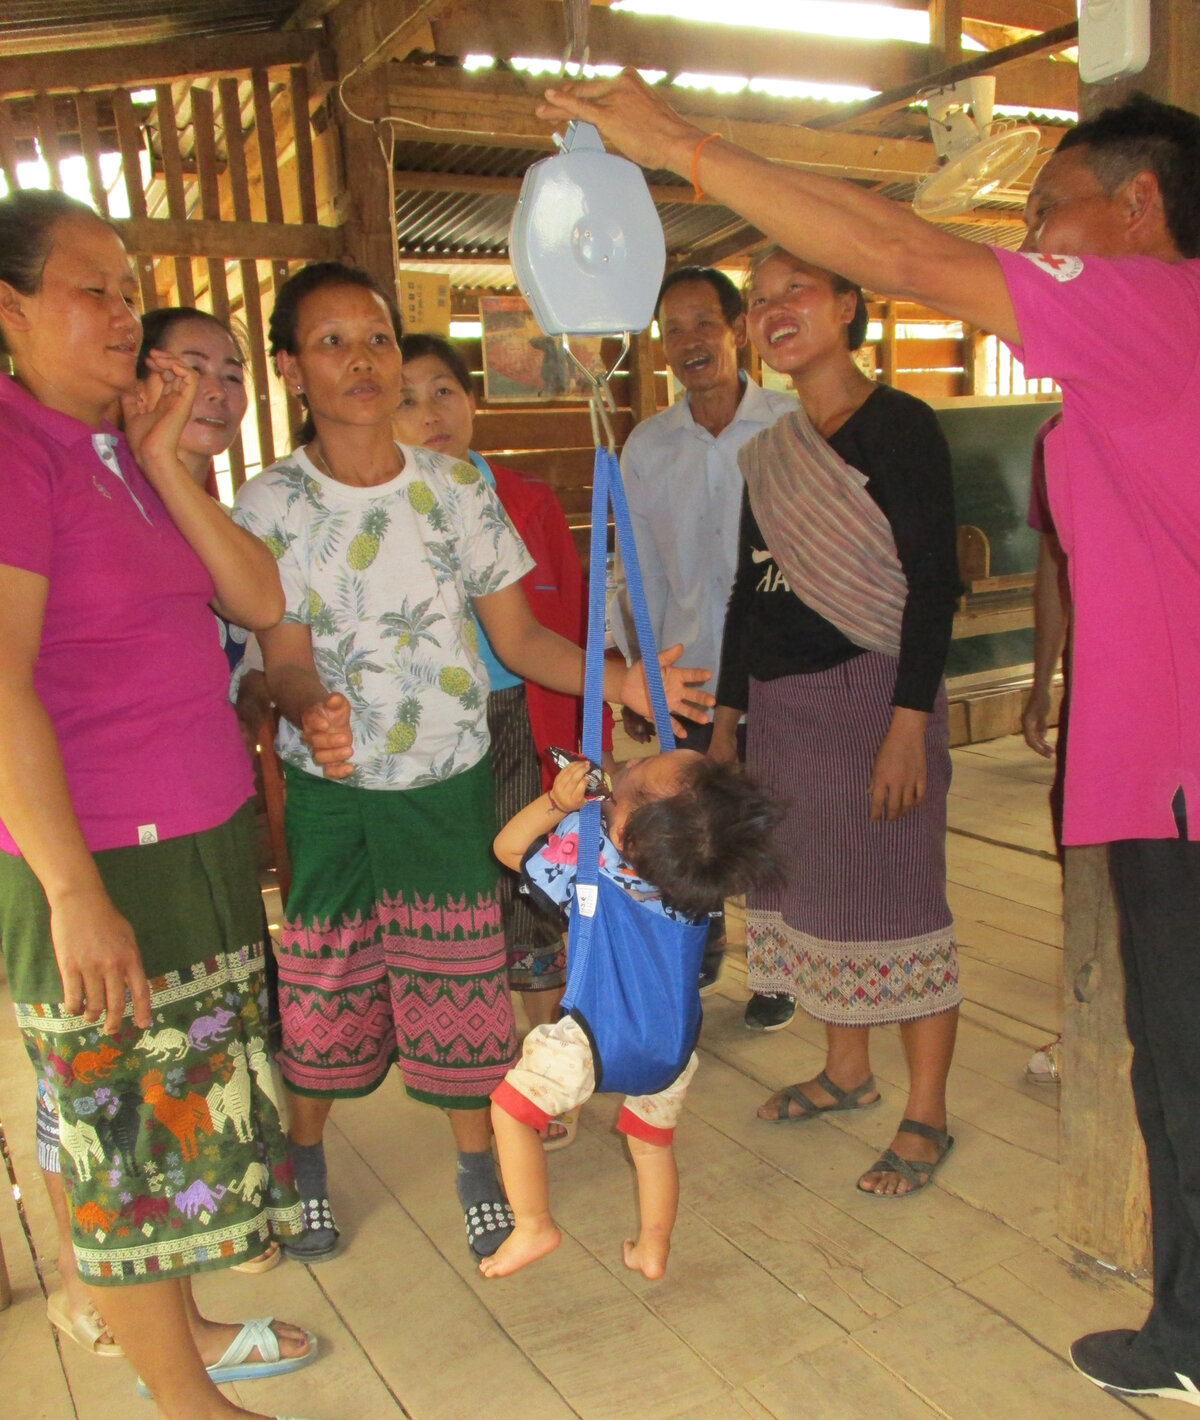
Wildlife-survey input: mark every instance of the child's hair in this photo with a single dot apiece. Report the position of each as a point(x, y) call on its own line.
point(711, 839)
point(158, 324)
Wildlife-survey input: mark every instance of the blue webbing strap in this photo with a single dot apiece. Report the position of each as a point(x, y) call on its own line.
point(606, 485)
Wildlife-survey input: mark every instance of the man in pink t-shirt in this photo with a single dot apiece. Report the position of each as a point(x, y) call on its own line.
point(1104, 298)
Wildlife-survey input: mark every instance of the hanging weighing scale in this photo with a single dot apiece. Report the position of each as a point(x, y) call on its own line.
point(588, 253)
point(587, 250)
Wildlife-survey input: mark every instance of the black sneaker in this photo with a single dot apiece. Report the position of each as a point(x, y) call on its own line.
point(1107, 1359)
point(710, 969)
point(769, 1010)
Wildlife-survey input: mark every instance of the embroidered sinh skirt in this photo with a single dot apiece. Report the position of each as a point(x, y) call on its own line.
point(392, 946)
point(169, 1139)
point(537, 954)
point(859, 931)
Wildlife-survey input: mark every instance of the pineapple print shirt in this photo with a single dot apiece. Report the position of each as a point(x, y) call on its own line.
point(383, 578)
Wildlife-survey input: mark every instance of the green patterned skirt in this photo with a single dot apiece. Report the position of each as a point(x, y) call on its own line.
point(172, 1153)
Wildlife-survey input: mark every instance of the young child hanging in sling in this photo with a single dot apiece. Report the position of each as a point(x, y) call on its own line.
point(679, 835)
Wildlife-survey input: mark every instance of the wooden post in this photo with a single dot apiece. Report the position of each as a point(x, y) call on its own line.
point(1103, 1204)
point(945, 34)
point(642, 400)
point(887, 345)
point(368, 231)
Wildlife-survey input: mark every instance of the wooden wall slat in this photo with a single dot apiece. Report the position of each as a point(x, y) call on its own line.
point(928, 354)
point(231, 118)
point(264, 133)
point(89, 141)
point(235, 150)
point(8, 147)
point(129, 143)
point(930, 384)
point(306, 180)
point(168, 137)
point(208, 176)
point(500, 428)
point(46, 121)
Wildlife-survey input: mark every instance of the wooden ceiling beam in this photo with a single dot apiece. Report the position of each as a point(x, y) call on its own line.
point(1020, 14)
point(482, 186)
point(143, 65)
point(244, 240)
point(663, 195)
point(367, 33)
point(1024, 50)
point(449, 106)
point(534, 28)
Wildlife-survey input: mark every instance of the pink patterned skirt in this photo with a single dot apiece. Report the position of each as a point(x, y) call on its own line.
point(392, 945)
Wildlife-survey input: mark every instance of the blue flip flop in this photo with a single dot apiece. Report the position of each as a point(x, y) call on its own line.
point(257, 1336)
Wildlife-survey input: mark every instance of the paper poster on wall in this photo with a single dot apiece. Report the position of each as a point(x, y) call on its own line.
point(424, 298)
point(522, 364)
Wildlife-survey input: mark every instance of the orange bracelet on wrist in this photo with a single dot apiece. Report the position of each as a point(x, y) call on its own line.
point(697, 190)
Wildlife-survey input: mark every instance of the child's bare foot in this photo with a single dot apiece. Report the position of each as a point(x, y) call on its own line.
point(648, 1255)
point(527, 1242)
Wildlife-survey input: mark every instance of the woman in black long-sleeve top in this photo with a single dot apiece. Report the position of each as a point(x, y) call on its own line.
point(835, 644)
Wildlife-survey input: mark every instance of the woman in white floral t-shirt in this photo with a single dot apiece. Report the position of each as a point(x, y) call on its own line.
point(393, 949)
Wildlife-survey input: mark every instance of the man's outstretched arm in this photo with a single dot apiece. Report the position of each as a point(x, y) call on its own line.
point(827, 221)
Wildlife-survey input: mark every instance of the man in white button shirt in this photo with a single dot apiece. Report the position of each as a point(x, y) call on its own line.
point(685, 491)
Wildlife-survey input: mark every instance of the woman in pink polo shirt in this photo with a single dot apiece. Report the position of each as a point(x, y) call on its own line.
point(124, 827)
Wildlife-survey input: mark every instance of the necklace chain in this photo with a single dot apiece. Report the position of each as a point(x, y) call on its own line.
point(317, 455)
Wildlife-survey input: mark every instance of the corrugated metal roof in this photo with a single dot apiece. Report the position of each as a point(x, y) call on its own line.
point(27, 26)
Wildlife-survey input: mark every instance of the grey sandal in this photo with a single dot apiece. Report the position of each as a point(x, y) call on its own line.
point(843, 1100)
point(915, 1172)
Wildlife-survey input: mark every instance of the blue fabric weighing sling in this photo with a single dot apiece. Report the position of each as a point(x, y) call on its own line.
point(632, 974)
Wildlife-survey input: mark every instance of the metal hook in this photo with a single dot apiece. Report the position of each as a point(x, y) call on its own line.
point(601, 403)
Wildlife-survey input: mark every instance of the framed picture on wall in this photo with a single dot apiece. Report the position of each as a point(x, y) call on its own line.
point(521, 365)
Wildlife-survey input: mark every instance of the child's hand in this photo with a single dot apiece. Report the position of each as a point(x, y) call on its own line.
point(570, 787)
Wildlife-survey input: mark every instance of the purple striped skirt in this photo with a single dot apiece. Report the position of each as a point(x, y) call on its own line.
point(859, 931)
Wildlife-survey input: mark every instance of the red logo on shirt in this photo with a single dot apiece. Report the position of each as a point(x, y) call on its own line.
point(1062, 268)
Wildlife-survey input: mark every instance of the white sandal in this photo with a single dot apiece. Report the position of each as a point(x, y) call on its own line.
point(85, 1330)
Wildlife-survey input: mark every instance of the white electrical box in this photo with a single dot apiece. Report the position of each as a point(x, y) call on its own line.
point(1114, 39)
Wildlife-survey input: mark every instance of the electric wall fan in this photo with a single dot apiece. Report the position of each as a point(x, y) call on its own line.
point(976, 155)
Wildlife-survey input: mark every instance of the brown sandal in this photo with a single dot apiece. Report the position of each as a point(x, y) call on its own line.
point(915, 1172)
point(843, 1100)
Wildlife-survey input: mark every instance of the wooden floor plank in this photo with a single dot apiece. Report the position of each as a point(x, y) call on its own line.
point(789, 1294)
point(996, 911)
point(1034, 1002)
point(839, 1382)
point(974, 1364)
point(568, 1315)
point(1037, 960)
point(992, 824)
point(707, 1265)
